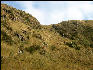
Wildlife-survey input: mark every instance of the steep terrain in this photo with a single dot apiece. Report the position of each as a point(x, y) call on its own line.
point(28, 45)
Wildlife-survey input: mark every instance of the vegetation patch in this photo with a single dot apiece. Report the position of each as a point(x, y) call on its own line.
point(91, 45)
point(33, 48)
point(37, 36)
point(53, 47)
point(6, 38)
point(73, 45)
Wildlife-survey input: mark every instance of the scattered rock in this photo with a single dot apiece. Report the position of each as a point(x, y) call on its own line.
point(20, 51)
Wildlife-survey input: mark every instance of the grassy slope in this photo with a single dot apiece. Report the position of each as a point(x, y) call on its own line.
point(21, 31)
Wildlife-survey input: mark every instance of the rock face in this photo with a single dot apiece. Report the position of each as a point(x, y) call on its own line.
point(28, 45)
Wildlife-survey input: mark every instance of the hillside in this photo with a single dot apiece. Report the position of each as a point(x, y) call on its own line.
point(28, 45)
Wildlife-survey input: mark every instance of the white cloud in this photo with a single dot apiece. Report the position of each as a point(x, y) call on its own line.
point(74, 13)
point(54, 12)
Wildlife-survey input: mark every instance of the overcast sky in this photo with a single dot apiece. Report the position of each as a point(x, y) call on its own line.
point(53, 12)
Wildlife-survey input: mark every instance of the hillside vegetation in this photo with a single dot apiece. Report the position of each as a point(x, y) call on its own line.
point(28, 45)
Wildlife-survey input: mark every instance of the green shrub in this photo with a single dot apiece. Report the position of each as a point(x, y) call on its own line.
point(84, 42)
point(6, 38)
point(53, 47)
point(33, 48)
point(91, 45)
point(4, 24)
point(73, 45)
point(27, 19)
point(77, 48)
point(37, 36)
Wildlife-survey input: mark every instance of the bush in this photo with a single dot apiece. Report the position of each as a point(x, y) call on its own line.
point(84, 42)
point(33, 48)
point(37, 36)
point(91, 45)
point(53, 47)
point(4, 24)
point(6, 38)
point(77, 48)
point(73, 45)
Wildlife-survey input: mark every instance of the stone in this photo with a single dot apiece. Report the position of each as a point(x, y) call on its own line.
point(20, 51)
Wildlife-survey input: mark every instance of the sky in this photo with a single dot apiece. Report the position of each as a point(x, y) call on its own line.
point(53, 12)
